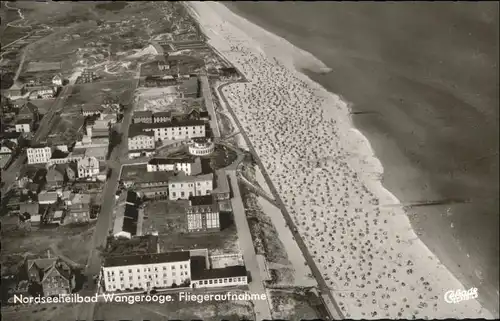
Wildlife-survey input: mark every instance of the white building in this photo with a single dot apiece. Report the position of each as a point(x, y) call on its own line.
point(140, 140)
point(182, 186)
point(57, 80)
point(173, 130)
point(88, 167)
point(201, 146)
point(146, 271)
point(202, 214)
point(38, 155)
point(24, 125)
point(188, 165)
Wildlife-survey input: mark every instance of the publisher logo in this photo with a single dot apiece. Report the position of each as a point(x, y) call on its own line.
point(457, 296)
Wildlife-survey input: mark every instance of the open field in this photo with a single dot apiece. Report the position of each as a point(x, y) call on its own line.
point(68, 127)
point(165, 217)
point(233, 310)
point(95, 93)
point(74, 242)
point(223, 242)
point(65, 311)
point(295, 305)
point(132, 172)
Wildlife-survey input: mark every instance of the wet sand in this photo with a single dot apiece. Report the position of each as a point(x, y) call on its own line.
point(425, 79)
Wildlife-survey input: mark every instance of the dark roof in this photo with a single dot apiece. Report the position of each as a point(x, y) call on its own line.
point(201, 200)
point(147, 258)
point(204, 114)
point(129, 225)
point(24, 121)
point(143, 113)
point(200, 272)
point(137, 130)
point(59, 154)
point(131, 212)
point(170, 124)
point(132, 197)
point(161, 161)
point(162, 114)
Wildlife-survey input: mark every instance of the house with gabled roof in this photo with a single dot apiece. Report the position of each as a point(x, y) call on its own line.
point(52, 274)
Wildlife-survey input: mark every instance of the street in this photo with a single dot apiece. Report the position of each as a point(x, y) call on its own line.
point(105, 219)
point(261, 307)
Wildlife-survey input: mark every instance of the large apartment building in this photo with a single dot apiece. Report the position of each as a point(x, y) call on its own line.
point(183, 186)
point(188, 165)
point(39, 154)
point(202, 214)
point(173, 130)
point(146, 271)
point(88, 167)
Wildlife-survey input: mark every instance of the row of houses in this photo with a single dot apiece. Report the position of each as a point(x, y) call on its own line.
point(147, 116)
point(142, 137)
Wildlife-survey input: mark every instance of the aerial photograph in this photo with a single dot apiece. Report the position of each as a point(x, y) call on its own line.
point(260, 160)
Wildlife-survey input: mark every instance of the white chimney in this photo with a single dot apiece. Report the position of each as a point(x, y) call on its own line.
point(89, 131)
point(48, 254)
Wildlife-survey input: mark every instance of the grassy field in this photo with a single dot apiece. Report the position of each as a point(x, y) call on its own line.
point(238, 310)
point(165, 217)
point(223, 242)
point(96, 93)
point(132, 172)
point(68, 127)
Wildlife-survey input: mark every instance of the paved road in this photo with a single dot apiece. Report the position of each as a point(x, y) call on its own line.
point(105, 219)
point(330, 303)
point(261, 307)
point(207, 94)
point(45, 126)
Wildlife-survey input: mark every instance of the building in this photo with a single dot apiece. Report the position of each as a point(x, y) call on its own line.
point(201, 146)
point(38, 154)
point(142, 116)
point(147, 271)
point(60, 157)
point(87, 76)
point(90, 110)
point(139, 139)
point(188, 165)
point(41, 92)
point(47, 197)
point(222, 190)
point(162, 117)
point(178, 130)
point(12, 137)
point(202, 214)
point(24, 125)
point(155, 81)
point(183, 186)
point(202, 276)
point(52, 274)
point(88, 167)
point(99, 152)
point(145, 152)
point(57, 80)
point(17, 90)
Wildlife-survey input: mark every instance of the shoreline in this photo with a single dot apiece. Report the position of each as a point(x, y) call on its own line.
point(437, 227)
point(366, 150)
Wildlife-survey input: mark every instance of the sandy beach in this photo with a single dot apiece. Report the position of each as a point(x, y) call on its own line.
point(327, 175)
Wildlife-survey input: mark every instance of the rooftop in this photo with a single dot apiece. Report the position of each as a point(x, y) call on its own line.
point(180, 123)
point(181, 178)
point(201, 200)
point(147, 259)
point(199, 270)
point(143, 113)
point(163, 161)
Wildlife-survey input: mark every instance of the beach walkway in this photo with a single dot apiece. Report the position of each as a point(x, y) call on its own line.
point(256, 286)
point(209, 103)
